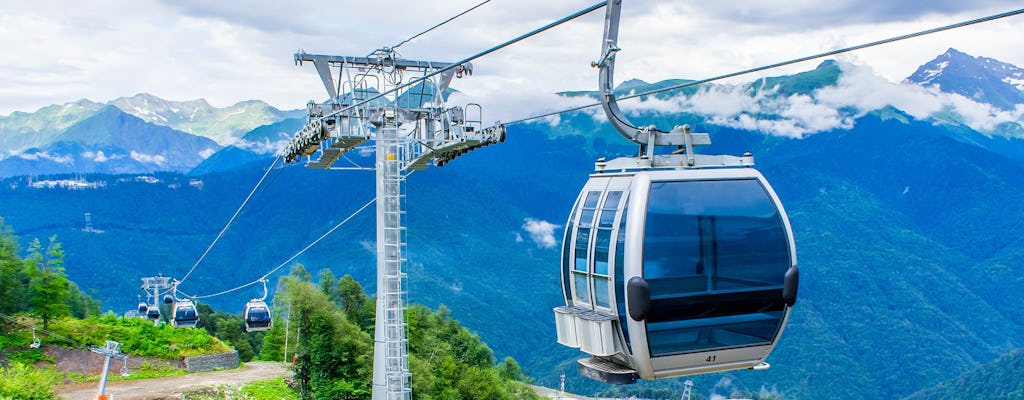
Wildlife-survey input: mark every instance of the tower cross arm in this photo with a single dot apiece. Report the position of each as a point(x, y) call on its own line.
point(401, 63)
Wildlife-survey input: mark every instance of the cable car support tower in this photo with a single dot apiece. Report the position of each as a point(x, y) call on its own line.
point(410, 131)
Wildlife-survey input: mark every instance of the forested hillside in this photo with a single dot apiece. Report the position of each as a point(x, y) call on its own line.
point(332, 357)
point(999, 379)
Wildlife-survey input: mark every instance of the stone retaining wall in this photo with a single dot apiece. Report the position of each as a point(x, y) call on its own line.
point(211, 362)
point(86, 362)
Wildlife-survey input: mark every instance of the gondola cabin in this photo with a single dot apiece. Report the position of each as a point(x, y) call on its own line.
point(153, 312)
point(143, 307)
point(675, 272)
point(185, 314)
point(257, 316)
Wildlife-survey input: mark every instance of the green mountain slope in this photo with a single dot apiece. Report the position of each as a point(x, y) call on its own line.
point(999, 379)
point(223, 125)
point(22, 130)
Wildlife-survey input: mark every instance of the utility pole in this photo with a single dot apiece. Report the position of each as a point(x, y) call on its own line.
point(287, 322)
point(411, 130)
point(111, 350)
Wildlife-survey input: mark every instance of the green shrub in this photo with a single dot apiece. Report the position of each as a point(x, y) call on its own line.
point(272, 389)
point(139, 337)
point(146, 371)
point(29, 356)
point(23, 382)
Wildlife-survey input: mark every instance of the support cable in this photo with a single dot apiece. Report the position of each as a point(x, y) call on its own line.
point(293, 257)
point(789, 62)
point(231, 220)
point(438, 25)
point(458, 64)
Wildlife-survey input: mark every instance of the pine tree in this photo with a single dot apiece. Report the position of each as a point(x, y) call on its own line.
point(48, 286)
point(12, 291)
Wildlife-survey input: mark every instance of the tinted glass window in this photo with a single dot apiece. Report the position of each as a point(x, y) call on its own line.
point(582, 288)
point(601, 251)
point(567, 246)
point(620, 249)
point(715, 254)
point(582, 239)
point(601, 292)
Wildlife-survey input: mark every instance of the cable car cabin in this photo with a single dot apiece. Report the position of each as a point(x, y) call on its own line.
point(143, 307)
point(675, 272)
point(257, 316)
point(153, 312)
point(185, 314)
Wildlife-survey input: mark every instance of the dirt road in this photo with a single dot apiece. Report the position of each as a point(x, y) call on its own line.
point(172, 387)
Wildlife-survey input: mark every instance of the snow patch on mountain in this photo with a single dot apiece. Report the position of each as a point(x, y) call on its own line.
point(932, 73)
point(1016, 81)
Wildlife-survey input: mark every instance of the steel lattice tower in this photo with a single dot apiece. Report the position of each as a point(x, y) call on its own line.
point(411, 132)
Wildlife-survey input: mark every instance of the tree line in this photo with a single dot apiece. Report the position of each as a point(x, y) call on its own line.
point(324, 328)
point(331, 326)
point(37, 283)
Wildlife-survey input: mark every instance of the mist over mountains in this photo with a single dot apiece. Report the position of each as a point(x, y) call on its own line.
point(905, 201)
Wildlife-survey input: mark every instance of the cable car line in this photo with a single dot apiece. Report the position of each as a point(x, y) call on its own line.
point(293, 257)
point(788, 62)
point(439, 24)
point(459, 64)
point(34, 328)
point(231, 220)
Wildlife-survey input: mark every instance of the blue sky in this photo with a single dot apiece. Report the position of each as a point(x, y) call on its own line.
point(229, 51)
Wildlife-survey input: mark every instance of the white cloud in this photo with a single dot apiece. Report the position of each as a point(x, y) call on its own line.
point(42, 155)
point(100, 156)
point(725, 385)
point(739, 106)
point(148, 158)
point(96, 156)
point(370, 247)
point(227, 52)
point(860, 88)
point(858, 91)
point(206, 153)
point(541, 232)
point(264, 146)
point(508, 100)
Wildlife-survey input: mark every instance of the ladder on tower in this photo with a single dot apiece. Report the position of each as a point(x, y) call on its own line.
point(392, 201)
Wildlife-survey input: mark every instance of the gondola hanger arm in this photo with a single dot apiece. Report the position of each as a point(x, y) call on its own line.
point(648, 136)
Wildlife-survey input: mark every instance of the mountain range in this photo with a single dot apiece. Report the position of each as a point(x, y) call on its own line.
point(137, 134)
point(983, 79)
point(904, 199)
